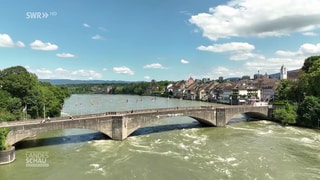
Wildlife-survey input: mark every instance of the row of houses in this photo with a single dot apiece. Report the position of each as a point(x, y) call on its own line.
point(233, 92)
point(242, 91)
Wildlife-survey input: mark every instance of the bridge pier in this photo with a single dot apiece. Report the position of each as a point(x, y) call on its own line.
point(221, 120)
point(119, 128)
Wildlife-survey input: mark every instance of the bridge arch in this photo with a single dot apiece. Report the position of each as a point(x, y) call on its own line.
point(19, 133)
point(136, 120)
point(250, 112)
point(13, 138)
point(145, 124)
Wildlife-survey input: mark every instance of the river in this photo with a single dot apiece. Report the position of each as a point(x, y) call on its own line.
point(173, 148)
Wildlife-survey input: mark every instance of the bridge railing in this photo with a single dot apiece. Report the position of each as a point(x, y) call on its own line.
point(168, 109)
point(112, 113)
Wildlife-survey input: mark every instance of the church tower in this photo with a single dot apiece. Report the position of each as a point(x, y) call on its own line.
point(283, 72)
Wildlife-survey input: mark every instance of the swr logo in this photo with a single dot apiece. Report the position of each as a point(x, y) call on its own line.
point(39, 15)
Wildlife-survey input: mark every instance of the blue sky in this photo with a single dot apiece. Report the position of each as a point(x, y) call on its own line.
point(138, 40)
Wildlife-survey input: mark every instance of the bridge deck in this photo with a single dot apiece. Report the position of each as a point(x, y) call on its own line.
point(97, 115)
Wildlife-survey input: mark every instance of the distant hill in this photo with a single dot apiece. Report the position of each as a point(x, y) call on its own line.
point(233, 79)
point(69, 81)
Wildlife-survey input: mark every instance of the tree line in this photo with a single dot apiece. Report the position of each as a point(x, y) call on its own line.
point(132, 88)
point(301, 98)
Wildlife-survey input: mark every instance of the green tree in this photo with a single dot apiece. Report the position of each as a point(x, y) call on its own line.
point(52, 99)
point(34, 102)
point(4, 98)
point(309, 112)
point(118, 89)
point(138, 91)
point(300, 88)
point(3, 136)
point(20, 84)
point(287, 114)
point(284, 90)
point(17, 81)
point(309, 77)
point(6, 115)
point(308, 63)
point(14, 107)
point(313, 79)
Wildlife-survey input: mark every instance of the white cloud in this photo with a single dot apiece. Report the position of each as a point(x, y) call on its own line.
point(310, 49)
point(291, 59)
point(61, 70)
point(153, 66)
point(88, 74)
point(310, 34)
point(238, 50)
point(258, 63)
point(39, 45)
point(20, 44)
point(66, 55)
point(272, 65)
point(215, 73)
point(123, 70)
point(97, 37)
point(183, 61)
point(61, 73)
point(103, 29)
point(6, 41)
point(268, 65)
point(305, 50)
point(147, 77)
point(222, 69)
point(241, 18)
point(244, 56)
point(86, 25)
point(44, 73)
point(228, 47)
point(286, 53)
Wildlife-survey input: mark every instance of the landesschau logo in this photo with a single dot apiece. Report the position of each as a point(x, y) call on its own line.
point(40, 15)
point(37, 159)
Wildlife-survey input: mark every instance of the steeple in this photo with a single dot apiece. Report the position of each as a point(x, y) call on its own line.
point(283, 72)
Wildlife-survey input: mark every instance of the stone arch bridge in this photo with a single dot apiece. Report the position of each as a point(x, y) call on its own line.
point(119, 125)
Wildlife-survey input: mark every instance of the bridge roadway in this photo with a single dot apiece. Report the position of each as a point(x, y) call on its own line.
point(119, 125)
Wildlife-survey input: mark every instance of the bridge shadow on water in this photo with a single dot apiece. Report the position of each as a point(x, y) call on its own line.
point(246, 117)
point(60, 140)
point(166, 127)
point(51, 141)
point(236, 120)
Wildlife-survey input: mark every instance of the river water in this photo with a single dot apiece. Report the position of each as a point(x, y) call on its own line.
point(173, 148)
